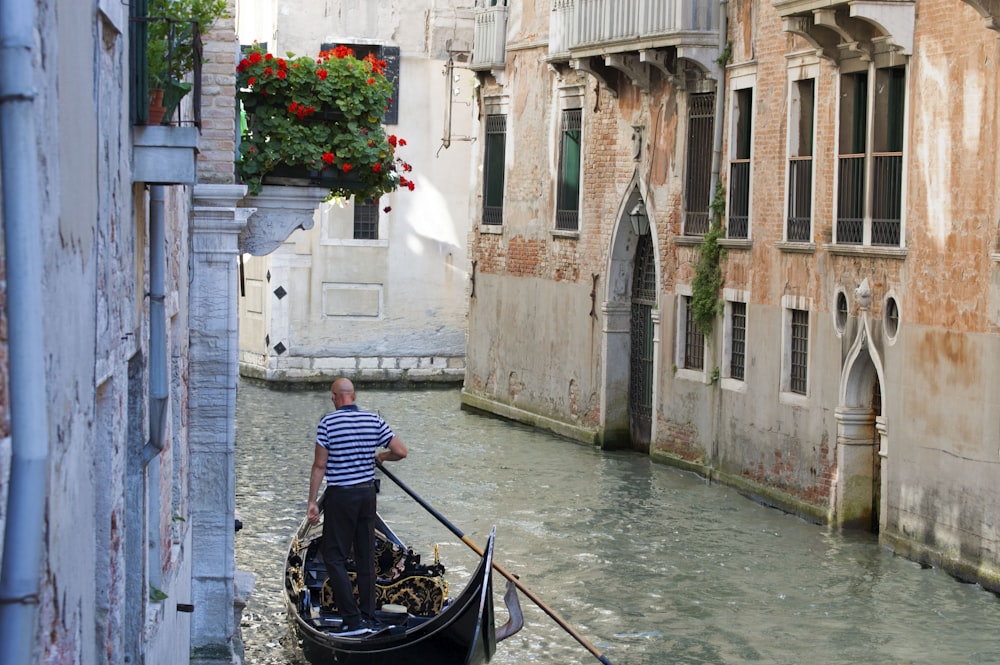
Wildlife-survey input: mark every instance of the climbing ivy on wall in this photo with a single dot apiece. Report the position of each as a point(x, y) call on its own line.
point(707, 282)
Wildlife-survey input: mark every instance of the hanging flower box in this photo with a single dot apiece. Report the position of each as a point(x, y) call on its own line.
point(305, 176)
point(321, 117)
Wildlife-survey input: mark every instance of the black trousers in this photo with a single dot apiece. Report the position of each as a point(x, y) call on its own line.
point(349, 527)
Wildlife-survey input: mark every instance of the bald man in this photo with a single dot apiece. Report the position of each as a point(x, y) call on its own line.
point(348, 441)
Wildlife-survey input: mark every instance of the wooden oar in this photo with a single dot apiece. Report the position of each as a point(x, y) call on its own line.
point(510, 576)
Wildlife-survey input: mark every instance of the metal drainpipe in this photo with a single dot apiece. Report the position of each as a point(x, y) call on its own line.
point(29, 416)
point(157, 325)
point(720, 99)
point(720, 108)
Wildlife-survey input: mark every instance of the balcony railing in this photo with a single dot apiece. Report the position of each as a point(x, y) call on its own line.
point(887, 198)
point(490, 40)
point(851, 200)
point(799, 199)
point(738, 225)
point(582, 24)
point(165, 60)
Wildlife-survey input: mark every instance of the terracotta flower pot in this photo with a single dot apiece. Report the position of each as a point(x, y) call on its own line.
point(156, 111)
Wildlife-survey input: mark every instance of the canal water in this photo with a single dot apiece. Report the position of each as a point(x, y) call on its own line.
point(650, 564)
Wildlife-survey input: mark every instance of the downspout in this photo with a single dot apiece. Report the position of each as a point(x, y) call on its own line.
point(29, 416)
point(157, 325)
point(720, 112)
point(720, 99)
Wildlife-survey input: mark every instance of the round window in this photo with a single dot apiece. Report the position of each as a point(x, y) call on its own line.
point(891, 316)
point(841, 315)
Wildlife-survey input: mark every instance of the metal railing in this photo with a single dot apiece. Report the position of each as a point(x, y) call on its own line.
point(738, 224)
point(698, 180)
point(799, 199)
point(165, 61)
point(851, 200)
point(887, 198)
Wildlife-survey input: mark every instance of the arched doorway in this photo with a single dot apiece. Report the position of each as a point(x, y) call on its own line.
point(861, 437)
point(641, 336)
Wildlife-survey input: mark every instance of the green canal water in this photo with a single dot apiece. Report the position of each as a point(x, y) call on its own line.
point(652, 565)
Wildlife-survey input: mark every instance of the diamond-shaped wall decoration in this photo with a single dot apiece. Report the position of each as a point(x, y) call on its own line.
point(280, 292)
point(268, 275)
point(267, 340)
point(279, 348)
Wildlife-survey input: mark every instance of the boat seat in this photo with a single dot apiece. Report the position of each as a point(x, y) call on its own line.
point(421, 595)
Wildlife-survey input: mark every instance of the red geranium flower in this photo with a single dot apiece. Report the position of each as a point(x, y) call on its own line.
point(328, 157)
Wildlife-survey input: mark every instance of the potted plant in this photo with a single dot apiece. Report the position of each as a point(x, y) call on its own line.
point(171, 48)
point(318, 120)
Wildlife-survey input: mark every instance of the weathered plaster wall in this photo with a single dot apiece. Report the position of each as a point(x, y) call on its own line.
point(935, 440)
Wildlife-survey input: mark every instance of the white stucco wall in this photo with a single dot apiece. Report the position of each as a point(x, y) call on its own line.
point(394, 308)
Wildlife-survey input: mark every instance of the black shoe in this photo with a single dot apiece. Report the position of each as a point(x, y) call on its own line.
point(356, 630)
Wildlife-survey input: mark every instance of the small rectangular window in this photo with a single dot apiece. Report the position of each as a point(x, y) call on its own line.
point(366, 220)
point(799, 363)
point(738, 342)
point(493, 168)
point(568, 193)
point(694, 339)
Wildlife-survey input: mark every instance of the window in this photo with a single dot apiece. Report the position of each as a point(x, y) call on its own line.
point(694, 339)
point(891, 317)
point(391, 56)
point(738, 340)
point(800, 162)
point(493, 168)
point(568, 193)
point(799, 360)
point(366, 220)
point(870, 163)
point(738, 225)
point(840, 317)
point(697, 194)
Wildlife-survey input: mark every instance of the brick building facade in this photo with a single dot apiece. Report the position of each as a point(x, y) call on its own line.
point(845, 373)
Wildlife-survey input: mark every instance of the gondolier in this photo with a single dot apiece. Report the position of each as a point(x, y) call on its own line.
point(346, 443)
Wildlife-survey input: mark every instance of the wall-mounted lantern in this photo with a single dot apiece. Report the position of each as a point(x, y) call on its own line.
point(640, 223)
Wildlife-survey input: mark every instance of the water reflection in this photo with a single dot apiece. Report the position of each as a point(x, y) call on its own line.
point(649, 563)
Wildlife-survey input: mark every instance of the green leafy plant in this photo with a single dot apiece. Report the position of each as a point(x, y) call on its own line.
point(725, 56)
point(323, 115)
point(707, 281)
point(170, 43)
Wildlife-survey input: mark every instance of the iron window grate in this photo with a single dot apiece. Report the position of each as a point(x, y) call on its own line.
point(737, 355)
point(800, 351)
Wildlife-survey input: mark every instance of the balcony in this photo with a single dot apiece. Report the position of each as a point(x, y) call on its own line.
point(633, 35)
point(164, 99)
point(490, 45)
point(866, 26)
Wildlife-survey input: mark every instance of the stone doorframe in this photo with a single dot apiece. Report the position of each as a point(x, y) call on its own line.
point(616, 311)
point(223, 225)
point(861, 434)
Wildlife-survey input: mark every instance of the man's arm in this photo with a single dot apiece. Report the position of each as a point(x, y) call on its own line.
point(395, 452)
point(315, 478)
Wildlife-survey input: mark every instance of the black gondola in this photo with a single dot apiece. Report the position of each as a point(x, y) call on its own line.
point(416, 621)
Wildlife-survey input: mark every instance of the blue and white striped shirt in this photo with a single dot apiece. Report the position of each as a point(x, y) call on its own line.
point(350, 437)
